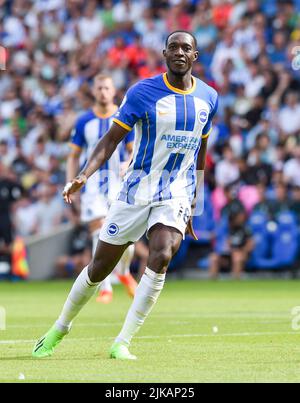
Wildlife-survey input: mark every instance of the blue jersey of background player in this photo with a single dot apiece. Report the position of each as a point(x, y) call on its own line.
point(89, 129)
point(98, 193)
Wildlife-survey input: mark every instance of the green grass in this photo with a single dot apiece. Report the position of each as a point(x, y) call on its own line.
point(255, 342)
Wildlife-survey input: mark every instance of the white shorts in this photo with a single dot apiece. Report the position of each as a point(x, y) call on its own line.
point(93, 207)
point(128, 223)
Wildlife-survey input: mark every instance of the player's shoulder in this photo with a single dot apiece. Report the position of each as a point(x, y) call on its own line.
point(146, 87)
point(206, 91)
point(85, 117)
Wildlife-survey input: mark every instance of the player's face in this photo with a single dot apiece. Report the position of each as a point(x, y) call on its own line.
point(104, 91)
point(180, 53)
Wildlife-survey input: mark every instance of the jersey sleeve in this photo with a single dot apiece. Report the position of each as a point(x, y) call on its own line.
point(208, 127)
point(77, 136)
point(131, 109)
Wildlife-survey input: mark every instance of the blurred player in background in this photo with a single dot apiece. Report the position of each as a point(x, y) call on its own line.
point(172, 114)
point(104, 186)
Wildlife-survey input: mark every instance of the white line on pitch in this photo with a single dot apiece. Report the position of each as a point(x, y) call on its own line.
point(111, 324)
point(168, 336)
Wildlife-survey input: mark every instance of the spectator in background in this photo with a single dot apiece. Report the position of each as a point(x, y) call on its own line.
point(295, 202)
point(292, 169)
point(127, 11)
point(90, 24)
point(281, 203)
point(289, 116)
point(227, 170)
point(277, 51)
point(49, 208)
point(263, 206)
point(25, 217)
point(239, 246)
point(10, 192)
point(233, 204)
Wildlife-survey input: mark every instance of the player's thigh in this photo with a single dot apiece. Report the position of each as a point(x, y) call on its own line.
point(105, 259)
point(173, 213)
point(164, 242)
point(124, 223)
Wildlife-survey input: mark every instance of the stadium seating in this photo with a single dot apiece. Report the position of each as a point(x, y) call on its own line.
point(276, 244)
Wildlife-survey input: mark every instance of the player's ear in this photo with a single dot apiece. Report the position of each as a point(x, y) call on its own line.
point(164, 52)
point(196, 55)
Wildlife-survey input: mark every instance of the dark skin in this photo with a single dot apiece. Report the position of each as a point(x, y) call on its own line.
point(164, 241)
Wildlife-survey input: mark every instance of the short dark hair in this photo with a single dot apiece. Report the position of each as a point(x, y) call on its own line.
point(181, 31)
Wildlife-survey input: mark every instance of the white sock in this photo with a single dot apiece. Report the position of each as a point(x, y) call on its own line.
point(82, 290)
point(146, 296)
point(106, 284)
point(95, 237)
point(123, 267)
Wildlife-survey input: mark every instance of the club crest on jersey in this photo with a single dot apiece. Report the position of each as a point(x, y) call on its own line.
point(113, 229)
point(203, 116)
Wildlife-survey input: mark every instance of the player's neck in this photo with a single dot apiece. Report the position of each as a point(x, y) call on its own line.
point(183, 83)
point(103, 111)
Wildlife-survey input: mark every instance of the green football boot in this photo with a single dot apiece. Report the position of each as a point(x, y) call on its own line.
point(120, 351)
point(46, 345)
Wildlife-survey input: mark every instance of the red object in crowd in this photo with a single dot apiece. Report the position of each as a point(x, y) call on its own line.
point(221, 15)
point(210, 163)
point(136, 55)
point(178, 19)
point(117, 56)
point(3, 58)
point(147, 72)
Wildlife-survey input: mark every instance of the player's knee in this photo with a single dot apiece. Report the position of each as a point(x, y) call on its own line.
point(161, 258)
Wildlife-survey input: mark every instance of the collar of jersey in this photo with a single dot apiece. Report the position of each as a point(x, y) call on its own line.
point(106, 115)
point(177, 90)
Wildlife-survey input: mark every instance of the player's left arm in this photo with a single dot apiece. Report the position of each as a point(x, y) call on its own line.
point(128, 114)
point(201, 159)
point(200, 166)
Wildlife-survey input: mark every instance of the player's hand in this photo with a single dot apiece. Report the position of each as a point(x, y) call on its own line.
point(190, 229)
point(73, 187)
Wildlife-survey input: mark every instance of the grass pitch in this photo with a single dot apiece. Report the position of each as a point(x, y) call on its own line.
point(254, 342)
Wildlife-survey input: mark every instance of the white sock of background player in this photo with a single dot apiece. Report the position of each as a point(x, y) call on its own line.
point(123, 267)
point(106, 283)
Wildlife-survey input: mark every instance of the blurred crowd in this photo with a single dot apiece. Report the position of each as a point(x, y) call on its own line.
point(248, 52)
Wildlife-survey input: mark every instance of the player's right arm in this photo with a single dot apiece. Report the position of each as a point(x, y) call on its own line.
point(129, 113)
point(101, 153)
point(72, 164)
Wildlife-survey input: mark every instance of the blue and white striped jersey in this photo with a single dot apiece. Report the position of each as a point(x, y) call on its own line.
point(169, 125)
point(89, 129)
